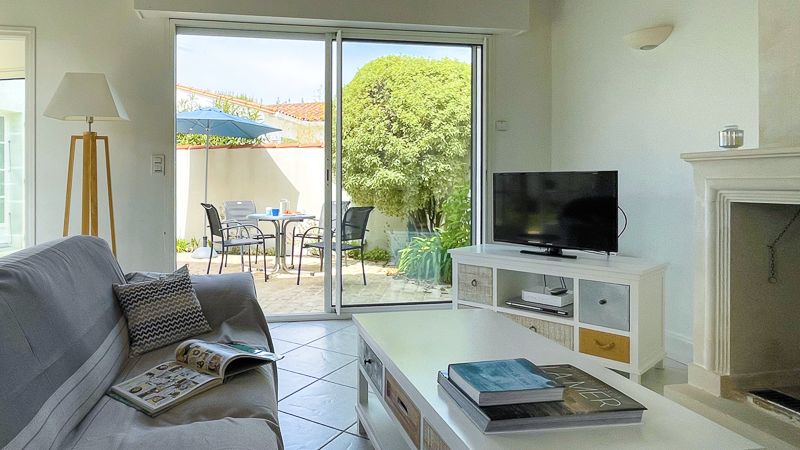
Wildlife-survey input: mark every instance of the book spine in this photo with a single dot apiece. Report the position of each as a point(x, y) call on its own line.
point(472, 410)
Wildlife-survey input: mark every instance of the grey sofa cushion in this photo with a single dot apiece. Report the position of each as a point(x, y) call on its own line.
point(161, 312)
point(62, 338)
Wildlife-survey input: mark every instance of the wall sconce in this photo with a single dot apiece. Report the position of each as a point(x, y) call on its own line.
point(648, 38)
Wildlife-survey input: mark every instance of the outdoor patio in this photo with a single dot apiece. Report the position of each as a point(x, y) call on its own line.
point(281, 294)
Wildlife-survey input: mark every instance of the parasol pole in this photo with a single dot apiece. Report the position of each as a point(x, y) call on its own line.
point(205, 252)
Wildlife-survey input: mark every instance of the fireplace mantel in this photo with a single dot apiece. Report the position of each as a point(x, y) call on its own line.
point(752, 153)
point(722, 178)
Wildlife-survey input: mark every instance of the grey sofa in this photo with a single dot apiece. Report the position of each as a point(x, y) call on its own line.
point(64, 342)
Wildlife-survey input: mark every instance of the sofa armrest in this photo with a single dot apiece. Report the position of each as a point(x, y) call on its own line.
point(226, 296)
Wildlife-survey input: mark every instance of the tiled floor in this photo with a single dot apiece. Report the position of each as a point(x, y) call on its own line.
point(317, 381)
point(316, 384)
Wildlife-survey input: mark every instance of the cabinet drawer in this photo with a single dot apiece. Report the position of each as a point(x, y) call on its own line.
point(560, 333)
point(431, 439)
point(604, 345)
point(404, 410)
point(475, 284)
point(371, 363)
point(605, 304)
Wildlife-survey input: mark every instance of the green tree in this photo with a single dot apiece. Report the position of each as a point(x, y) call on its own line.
point(406, 136)
point(224, 105)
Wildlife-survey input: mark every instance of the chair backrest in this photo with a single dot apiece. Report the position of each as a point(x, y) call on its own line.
point(354, 224)
point(238, 210)
point(213, 219)
point(336, 214)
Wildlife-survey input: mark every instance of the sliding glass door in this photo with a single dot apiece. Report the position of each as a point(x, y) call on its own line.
point(278, 181)
point(407, 166)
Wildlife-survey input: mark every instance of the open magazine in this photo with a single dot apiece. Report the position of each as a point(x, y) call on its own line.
point(198, 366)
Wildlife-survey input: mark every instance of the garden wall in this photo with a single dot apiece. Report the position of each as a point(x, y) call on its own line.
point(262, 174)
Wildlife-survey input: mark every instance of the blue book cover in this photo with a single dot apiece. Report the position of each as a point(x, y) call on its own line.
point(503, 382)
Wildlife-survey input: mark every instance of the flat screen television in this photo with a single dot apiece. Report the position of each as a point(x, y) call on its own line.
point(557, 210)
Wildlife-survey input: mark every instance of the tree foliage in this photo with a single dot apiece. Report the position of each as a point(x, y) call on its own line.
point(224, 105)
point(406, 136)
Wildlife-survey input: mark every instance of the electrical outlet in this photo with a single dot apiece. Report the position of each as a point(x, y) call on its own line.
point(157, 165)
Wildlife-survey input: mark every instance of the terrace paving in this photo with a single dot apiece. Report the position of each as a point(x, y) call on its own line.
point(281, 295)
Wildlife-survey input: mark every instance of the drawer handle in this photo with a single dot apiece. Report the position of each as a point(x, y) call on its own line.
point(608, 346)
point(367, 361)
point(603, 301)
point(402, 405)
point(533, 328)
point(474, 283)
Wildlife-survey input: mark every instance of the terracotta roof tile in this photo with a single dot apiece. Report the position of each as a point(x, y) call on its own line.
point(308, 112)
point(250, 146)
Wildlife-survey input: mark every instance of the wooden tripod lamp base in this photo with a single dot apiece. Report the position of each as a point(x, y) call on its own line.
point(89, 215)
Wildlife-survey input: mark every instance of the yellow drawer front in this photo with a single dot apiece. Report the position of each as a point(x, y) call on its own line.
point(605, 345)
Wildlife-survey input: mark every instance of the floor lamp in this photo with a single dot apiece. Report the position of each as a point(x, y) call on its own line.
point(87, 97)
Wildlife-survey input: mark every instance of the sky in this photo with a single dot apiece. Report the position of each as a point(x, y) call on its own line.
point(279, 70)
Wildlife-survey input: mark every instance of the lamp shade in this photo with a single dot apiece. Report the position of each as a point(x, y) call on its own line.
point(83, 95)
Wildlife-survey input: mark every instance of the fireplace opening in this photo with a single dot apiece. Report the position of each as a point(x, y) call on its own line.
point(765, 306)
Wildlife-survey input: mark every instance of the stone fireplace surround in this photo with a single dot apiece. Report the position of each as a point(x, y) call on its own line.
point(722, 178)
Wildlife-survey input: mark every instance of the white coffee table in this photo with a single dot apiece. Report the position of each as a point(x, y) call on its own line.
point(401, 352)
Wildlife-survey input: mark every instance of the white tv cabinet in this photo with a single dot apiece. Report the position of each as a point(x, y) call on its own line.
point(618, 309)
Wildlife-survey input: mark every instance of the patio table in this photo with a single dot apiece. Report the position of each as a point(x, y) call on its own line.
point(281, 221)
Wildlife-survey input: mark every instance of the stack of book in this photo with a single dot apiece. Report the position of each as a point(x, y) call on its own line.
point(516, 395)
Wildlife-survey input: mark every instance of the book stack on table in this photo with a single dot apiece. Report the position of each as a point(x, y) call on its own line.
point(516, 395)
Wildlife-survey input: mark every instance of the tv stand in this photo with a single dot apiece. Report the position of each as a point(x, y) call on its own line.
point(550, 251)
point(618, 301)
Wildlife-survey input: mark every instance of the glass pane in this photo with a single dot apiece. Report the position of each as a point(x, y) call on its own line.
point(406, 169)
point(12, 145)
point(278, 82)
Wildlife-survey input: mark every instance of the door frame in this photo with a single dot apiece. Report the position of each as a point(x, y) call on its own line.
point(332, 296)
point(29, 34)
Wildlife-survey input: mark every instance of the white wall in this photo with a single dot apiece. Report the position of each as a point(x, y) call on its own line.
point(633, 111)
point(106, 36)
point(520, 95)
point(779, 72)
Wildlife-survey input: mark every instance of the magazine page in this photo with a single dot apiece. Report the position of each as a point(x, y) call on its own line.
point(162, 385)
point(214, 357)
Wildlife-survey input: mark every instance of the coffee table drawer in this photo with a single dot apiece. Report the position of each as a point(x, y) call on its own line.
point(605, 345)
point(431, 439)
point(403, 408)
point(370, 362)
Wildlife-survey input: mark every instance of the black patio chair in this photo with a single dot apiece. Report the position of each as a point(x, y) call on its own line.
point(242, 238)
point(353, 228)
point(236, 212)
point(318, 226)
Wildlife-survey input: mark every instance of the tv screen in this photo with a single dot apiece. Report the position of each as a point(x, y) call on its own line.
point(569, 210)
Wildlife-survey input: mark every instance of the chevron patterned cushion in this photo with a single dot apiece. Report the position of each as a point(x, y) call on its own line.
point(161, 311)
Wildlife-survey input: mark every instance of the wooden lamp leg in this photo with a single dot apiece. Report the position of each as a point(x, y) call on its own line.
point(110, 196)
point(93, 185)
point(86, 193)
point(68, 201)
point(89, 193)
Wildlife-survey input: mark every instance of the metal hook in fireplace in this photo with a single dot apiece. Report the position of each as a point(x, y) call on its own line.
point(773, 278)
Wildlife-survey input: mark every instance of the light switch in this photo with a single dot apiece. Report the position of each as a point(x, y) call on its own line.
point(501, 125)
point(157, 165)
